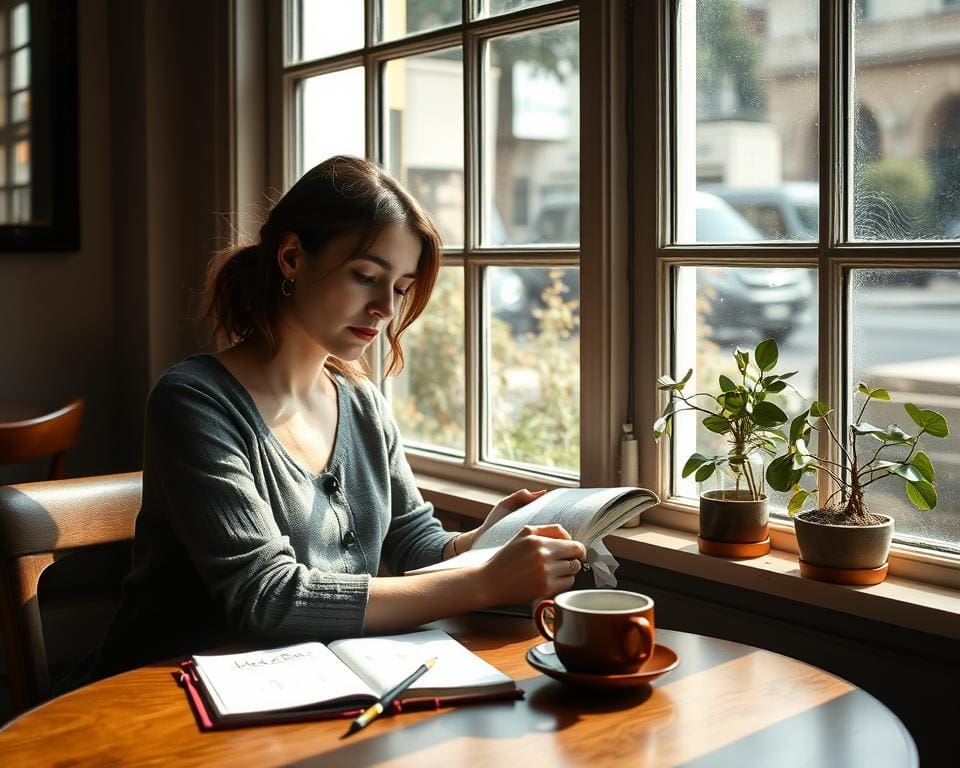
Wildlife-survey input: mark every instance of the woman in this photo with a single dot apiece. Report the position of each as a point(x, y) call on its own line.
point(274, 483)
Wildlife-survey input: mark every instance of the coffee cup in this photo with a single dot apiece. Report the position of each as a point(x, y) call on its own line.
point(599, 631)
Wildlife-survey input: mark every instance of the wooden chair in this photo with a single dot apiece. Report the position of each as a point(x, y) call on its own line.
point(41, 523)
point(52, 434)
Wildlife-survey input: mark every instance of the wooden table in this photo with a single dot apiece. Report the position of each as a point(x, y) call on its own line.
point(726, 705)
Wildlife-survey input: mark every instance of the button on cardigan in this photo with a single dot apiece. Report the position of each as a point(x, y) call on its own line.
point(236, 542)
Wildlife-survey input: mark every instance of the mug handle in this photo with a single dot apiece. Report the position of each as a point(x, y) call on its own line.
point(538, 618)
point(643, 627)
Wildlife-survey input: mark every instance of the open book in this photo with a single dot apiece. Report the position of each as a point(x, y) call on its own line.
point(340, 679)
point(587, 514)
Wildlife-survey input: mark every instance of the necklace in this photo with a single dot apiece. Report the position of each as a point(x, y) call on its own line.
point(280, 414)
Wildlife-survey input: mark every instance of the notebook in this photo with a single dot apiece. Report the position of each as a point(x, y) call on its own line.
point(340, 679)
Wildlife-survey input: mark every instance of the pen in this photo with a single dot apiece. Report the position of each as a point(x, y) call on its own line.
point(387, 699)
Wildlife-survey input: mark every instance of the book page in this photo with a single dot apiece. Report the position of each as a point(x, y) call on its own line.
point(281, 678)
point(573, 508)
point(385, 661)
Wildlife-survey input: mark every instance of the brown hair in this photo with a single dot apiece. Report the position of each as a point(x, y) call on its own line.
point(342, 194)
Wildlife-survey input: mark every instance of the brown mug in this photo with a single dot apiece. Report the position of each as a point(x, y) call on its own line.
point(599, 631)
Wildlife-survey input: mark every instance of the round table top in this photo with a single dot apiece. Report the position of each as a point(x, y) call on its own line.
point(727, 704)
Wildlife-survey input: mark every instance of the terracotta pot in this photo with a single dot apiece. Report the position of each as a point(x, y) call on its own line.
point(847, 554)
point(732, 524)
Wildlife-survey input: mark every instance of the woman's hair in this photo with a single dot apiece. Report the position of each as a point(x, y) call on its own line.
point(242, 295)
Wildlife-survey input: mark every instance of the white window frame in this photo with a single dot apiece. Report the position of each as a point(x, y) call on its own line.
point(603, 331)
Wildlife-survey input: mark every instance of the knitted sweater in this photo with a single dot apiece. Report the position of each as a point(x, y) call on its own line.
point(235, 542)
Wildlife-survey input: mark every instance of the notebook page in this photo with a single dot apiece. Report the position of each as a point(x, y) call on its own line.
point(385, 661)
point(573, 508)
point(281, 678)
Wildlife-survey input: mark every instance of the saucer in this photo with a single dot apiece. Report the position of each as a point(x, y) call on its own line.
point(543, 658)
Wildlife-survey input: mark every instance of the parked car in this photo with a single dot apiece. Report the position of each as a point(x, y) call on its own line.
point(769, 300)
point(787, 211)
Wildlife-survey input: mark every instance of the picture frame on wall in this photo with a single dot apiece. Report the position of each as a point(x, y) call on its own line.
point(38, 126)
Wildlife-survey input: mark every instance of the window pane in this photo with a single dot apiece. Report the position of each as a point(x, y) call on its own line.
point(323, 132)
point(721, 308)
point(496, 7)
point(423, 139)
point(531, 126)
point(20, 25)
point(428, 396)
point(533, 358)
point(747, 117)
point(906, 148)
point(903, 340)
point(321, 28)
point(399, 18)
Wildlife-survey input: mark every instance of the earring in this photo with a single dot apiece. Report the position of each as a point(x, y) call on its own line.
point(286, 287)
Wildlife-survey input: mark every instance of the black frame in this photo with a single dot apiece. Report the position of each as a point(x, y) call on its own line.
point(53, 95)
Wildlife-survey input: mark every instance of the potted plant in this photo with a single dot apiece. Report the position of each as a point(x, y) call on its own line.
point(842, 541)
point(733, 516)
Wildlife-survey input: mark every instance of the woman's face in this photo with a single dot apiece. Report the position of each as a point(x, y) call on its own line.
point(343, 301)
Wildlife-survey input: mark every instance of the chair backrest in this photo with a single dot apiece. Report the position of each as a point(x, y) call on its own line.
point(49, 435)
point(39, 524)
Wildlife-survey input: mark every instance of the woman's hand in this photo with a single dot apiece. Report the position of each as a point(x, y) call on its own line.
point(538, 562)
point(511, 503)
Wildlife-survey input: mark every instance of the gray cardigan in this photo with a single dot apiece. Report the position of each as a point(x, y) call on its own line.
point(235, 542)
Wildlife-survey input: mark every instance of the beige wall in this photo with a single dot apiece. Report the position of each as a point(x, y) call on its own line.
point(155, 142)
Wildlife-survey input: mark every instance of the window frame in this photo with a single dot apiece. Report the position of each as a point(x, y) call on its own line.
point(603, 355)
point(833, 255)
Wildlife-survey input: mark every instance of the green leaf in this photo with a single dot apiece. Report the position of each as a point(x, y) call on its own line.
point(908, 472)
point(716, 424)
point(696, 461)
point(924, 466)
point(665, 382)
point(705, 471)
point(766, 354)
point(743, 359)
point(866, 428)
point(686, 376)
point(820, 409)
point(796, 501)
point(787, 375)
point(767, 414)
point(893, 434)
point(876, 394)
point(776, 386)
point(781, 474)
point(932, 422)
point(922, 494)
point(726, 384)
point(659, 428)
point(798, 427)
point(732, 401)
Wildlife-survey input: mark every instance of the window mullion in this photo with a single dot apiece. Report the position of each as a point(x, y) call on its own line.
point(834, 216)
point(472, 110)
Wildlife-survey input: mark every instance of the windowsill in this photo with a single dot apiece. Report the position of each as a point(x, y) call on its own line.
point(898, 601)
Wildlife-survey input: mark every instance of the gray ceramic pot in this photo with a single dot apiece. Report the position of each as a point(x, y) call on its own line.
point(844, 546)
point(732, 516)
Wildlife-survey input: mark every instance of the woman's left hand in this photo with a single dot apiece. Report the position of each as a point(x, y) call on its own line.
point(505, 506)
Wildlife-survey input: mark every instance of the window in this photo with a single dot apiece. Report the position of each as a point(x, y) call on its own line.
point(762, 210)
point(15, 144)
point(479, 116)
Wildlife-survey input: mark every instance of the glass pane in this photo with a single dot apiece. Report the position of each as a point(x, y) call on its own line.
point(21, 107)
point(747, 121)
point(319, 135)
point(399, 18)
point(423, 141)
point(906, 128)
point(721, 308)
point(20, 70)
point(496, 7)
point(21, 162)
point(321, 28)
point(428, 396)
point(533, 358)
point(20, 25)
point(531, 151)
point(902, 337)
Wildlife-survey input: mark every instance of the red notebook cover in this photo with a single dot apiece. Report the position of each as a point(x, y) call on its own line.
point(188, 679)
